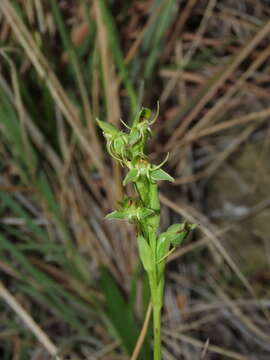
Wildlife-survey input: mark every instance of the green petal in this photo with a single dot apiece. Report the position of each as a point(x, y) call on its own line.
point(160, 174)
point(131, 176)
point(145, 114)
point(134, 136)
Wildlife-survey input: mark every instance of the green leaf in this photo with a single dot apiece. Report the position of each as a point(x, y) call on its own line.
point(131, 176)
point(160, 174)
point(145, 253)
point(119, 315)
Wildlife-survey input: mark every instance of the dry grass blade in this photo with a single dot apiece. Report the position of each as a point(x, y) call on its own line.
point(183, 60)
point(241, 120)
point(213, 348)
point(189, 215)
point(220, 79)
point(28, 321)
point(185, 13)
point(230, 149)
point(111, 86)
point(111, 83)
point(66, 63)
point(45, 72)
point(199, 34)
point(134, 47)
point(244, 318)
point(204, 350)
point(240, 83)
point(143, 333)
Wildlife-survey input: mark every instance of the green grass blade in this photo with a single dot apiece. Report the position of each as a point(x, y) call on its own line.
point(119, 313)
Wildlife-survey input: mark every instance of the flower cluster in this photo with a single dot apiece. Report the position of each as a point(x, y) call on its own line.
point(128, 147)
point(131, 210)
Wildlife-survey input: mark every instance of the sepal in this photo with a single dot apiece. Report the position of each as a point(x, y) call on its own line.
point(117, 215)
point(160, 174)
point(107, 128)
point(131, 176)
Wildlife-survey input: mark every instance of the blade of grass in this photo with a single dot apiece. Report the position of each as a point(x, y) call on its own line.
point(29, 321)
point(119, 313)
point(77, 73)
point(157, 32)
point(45, 72)
point(216, 82)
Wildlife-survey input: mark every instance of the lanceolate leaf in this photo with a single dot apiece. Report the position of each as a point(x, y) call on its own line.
point(119, 314)
point(163, 246)
point(145, 253)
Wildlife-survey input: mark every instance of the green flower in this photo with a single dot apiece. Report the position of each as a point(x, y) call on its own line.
point(116, 141)
point(142, 168)
point(140, 130)
point(131, 210)
point(139, 133)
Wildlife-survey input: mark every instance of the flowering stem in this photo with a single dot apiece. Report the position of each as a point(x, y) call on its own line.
point(144, 210)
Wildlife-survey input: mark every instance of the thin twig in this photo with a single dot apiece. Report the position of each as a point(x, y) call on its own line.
point(142, 335)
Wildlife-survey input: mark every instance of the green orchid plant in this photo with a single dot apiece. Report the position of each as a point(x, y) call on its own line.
point(128, 148)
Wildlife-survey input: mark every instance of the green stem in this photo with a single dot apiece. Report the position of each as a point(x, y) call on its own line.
point(156, 287)
point(157, 334)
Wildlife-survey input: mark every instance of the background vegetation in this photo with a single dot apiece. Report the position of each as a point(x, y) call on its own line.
point(70, 281)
